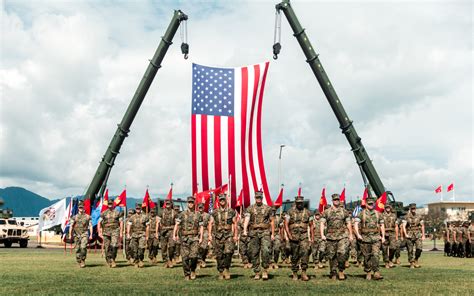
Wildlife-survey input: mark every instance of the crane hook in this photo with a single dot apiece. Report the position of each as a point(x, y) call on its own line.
point(276, 50)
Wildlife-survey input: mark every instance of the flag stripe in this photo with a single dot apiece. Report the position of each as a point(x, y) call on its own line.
point(243, 125)
point(217, 151)
point(204, 161)
point(259, 139)
point(193, 153)
point(251, 125)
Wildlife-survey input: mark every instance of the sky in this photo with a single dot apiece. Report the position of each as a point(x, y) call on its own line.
point(403, 71)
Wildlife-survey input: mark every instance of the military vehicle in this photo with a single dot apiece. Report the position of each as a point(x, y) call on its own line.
point(12, 232)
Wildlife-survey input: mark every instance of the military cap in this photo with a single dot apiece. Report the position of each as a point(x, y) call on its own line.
point(138, 205)
point(131, 211)
point(317, 213)
point(200, 205)
point(176, 207)
point(335, 196)
point(299, 199)
point(412, 205)
point(222, 196)
point(388, 205)
point(258, 194)
point(370, 200)
point(168, 201)
point(190, 199)
point(80, 204)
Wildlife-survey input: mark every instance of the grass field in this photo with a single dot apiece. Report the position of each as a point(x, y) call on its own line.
point(46, 271)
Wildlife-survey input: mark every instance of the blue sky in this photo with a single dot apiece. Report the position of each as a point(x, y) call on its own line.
point(402, 70)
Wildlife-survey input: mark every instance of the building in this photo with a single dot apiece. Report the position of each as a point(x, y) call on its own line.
point(455, 210)
point(31, 223)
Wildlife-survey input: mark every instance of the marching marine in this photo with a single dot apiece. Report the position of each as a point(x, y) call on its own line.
point(337, 223)
point(204, 245)
point(110, 229)
point(297, 221)
point(164, 230)
point(80, 225)
point(369, 228)
point(153, 240)
point(391, 235)
point(223, 232)
point(244, 245)
point(190, 229)
point(137, 229)
point(413, 228)
point(319, 246)
point(128, 249)
point(259, 226)
point(276, 246)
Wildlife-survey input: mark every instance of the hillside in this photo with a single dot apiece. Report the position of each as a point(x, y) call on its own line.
point(24, 203)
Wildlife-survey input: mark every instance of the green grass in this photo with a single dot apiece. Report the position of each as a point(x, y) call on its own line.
point(46, 271)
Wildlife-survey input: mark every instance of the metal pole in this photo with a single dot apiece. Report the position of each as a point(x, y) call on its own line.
point(279, 166)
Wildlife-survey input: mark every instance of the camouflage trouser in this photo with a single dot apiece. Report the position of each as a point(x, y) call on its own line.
point(285, 250)
point(414, 248)
point(318, 250)
point(259, 245)
point(275, 249)
point(371, 255)
point(244, 249)
point(128, 249)
point(177, 250)
point(462, 248)
point(397, 249)
point(353, 251)
point(389, 247)
point(223, 250)
point(204, 246)
point(336, 251)
point(111, 242)
point(152, 245)
point(300, 250)
point(189, 253)
point(137, 246)
point(80, 246)
point(447, 248)
point(167, 245)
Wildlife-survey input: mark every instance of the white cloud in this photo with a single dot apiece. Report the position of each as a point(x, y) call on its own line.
point(403, 72)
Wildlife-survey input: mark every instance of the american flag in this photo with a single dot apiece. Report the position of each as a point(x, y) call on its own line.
point(226, 138)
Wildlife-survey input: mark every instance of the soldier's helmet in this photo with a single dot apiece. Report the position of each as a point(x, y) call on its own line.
point(412, 206)
point(222, 197)
point(258, 194)
point(299, 199)
point(335, 196)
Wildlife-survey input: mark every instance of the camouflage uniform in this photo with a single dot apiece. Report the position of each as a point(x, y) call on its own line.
point(138, 224)
point(81, 224)
point(319, 245)
point(153, 240)
point(177, 246)
point(413, 224)
point(336, 220)
point(390, 244)
point(243, 245)
point(222, 235)
point(166, 222)
point(447, 243)
point(356, 251)
point(464, 240)
point(259, 232)
point(454, 238)
point(277, 242)
point(298, 221)
point(471, 243)
point(370, 222)
point(190, 224)
point(110, 222)
point(128, 249)
point(204, 245)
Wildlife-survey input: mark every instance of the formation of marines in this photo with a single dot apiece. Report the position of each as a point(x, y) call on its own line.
point(263, 236)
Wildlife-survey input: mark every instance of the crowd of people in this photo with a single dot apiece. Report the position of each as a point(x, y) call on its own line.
point(263, 236)
point(458, 238)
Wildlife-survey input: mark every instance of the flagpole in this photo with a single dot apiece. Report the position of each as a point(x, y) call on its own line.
point(454, 195)
point(279, 166)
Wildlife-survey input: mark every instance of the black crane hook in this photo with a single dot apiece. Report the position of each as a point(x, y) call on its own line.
point(276, 50)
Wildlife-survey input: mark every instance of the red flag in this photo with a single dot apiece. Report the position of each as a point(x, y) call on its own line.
point(87, 206)
point(279, 201)
point(343, 195)
point(363, 203)
point(240, 199)
point(147, 202)
point(299, 191)
point(439, 189)
point(380, 203)
point(450, 187)
point(105, 201)
point(170, 196)
point(121, 200)
point(323, 201)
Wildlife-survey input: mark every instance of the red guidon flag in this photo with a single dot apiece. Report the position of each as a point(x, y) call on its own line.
point(121, 200)
point(105, 201)
point(170, 196)
point(239, 199)
point(279, 201)
point(343, 195)
point(380, 203)
point(363, 203)
point(147, 202)
point(439, 189)
point(226, 124)
point(450, 187)
point(299, 191)
point(323, 201)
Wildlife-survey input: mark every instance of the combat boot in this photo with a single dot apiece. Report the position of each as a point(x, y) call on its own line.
point(320, 266)
point(186, 277)
point(82, 264)
point(346, 264)
point(193, 275)
point(140, 264)
point(221, 275)
point(416, 264)
point(377, 276)
point(368, 276)
point(295, 276)
point(304, 276)
point(333, 276)
point(341, 276)
point(203, 264)
point(226, 274)
point(391, 265)
point(275, 266)
point(113, 264)
point(257, 276)
point(249, 265)
point(387, 265)
point(412, 265)
point(265, 275)
point(398, 261)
